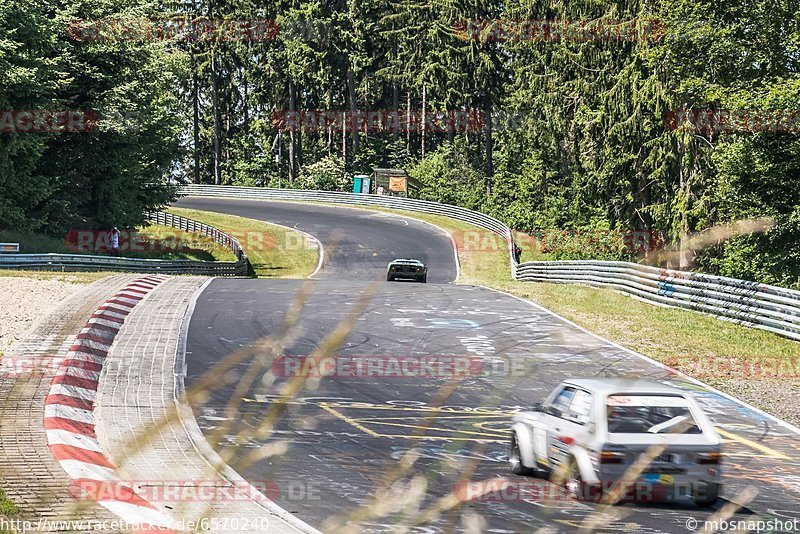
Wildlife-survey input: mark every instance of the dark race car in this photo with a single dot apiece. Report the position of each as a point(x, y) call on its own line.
point(407, 269)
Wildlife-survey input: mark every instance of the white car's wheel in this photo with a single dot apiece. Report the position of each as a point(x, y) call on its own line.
point(579, 489)
point(706, 496)
point(515, 459)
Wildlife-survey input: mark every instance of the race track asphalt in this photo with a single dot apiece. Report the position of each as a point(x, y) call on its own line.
point(349, 431)
point(358, 243)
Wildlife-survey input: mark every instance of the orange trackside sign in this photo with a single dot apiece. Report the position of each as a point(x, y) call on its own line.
point(397, 183)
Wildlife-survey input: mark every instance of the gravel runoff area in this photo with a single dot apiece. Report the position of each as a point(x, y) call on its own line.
point(24, 301)
point(776, 396)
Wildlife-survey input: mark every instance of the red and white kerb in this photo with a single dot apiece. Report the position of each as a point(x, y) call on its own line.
point(69, 419)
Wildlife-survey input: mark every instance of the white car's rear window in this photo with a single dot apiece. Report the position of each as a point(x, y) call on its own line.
point(653, 414)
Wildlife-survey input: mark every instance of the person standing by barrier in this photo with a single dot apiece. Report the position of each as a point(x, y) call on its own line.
point(517, 252)
point(113, 238)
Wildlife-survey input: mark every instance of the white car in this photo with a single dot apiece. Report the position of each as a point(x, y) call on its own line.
point(589, 433)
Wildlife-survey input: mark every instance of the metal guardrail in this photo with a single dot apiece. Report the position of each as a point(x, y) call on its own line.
point(87, 262)
point(190, 225)
point(762, 306)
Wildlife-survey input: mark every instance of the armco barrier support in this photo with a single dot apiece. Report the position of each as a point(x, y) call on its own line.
point(762, 306)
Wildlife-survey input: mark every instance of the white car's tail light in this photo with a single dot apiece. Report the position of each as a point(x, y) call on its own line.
point(611, 457)
point(709, 457)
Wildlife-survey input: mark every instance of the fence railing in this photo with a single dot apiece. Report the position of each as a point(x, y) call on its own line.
point(770, 308)
point(87, 262)
point(190, 225)
point(762, 306)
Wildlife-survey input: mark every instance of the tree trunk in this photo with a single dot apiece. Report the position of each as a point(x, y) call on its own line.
point(351, 91)
point(422, 119)
point(246, 110)
point(217, 121)
point(299, 136)
point(292, 175)
point(408, 122)
point(344, 141)
point(228, 145)
point(331, 130)
point(684, 254)
point(196, 123)
point(396, 109)
point(489, 145)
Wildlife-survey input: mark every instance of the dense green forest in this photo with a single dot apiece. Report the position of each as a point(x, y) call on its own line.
point(575, 126)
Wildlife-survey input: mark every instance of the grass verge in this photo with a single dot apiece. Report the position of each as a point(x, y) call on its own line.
point(148, 242)
point(7, 509)
point(274, 251)
point(7, 506)
point(152, 242)
point(166, 242)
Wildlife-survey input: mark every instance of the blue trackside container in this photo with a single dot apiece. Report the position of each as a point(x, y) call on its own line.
point(361, 183)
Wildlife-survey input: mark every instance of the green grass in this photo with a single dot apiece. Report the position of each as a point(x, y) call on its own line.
point(7, 506)
point(166, 242)
point(30, 243)
point(676, 337)
point(274, 251)
point(152, 242)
